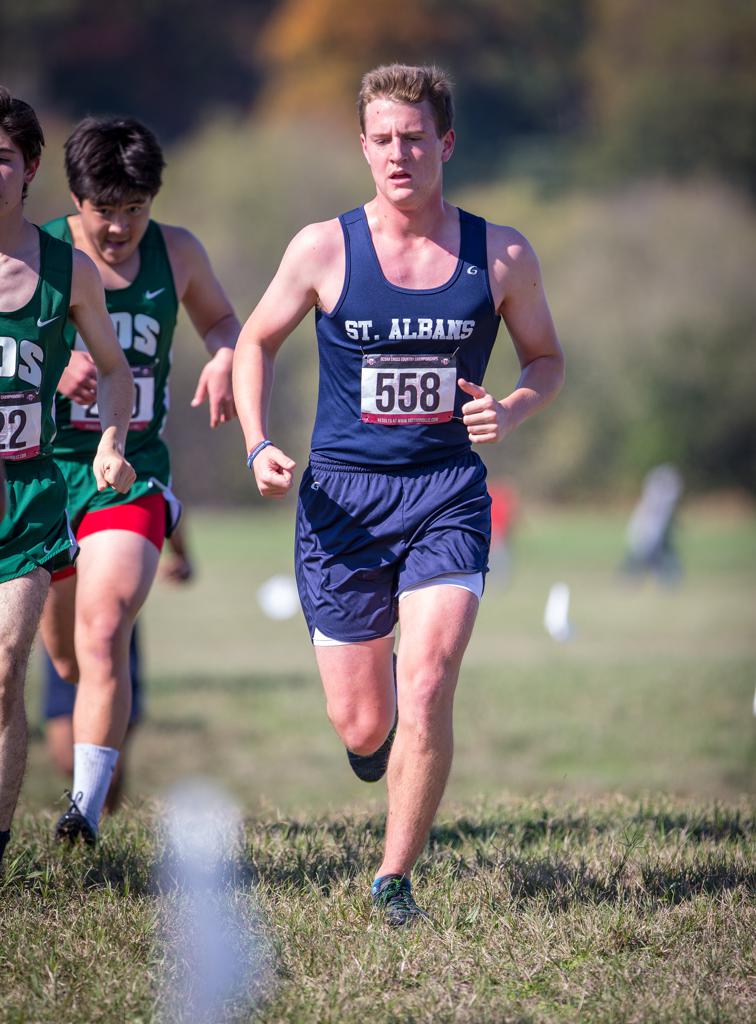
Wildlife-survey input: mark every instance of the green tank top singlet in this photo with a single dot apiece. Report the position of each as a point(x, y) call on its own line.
point(144, 316)
point(35, 347)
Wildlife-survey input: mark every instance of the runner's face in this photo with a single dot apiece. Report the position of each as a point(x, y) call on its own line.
point(404, 152)
point(114, 230)
point(14, 174)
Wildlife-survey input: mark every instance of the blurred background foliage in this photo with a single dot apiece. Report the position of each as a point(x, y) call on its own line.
point(619, 135)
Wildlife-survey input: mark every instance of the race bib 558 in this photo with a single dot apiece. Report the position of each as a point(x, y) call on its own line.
point(398, 389)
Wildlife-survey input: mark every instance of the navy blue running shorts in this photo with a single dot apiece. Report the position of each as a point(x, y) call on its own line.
point(364, 535)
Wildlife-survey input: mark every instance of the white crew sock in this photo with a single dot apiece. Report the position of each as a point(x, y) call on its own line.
point(93, 770)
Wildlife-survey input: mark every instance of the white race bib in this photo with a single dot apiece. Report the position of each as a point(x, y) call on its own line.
point(87, 417)
point(398, 389)
point(20, 425)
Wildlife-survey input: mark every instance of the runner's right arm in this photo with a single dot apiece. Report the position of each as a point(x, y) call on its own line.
point(292, 293)
point(2, 489)
point(115, 390)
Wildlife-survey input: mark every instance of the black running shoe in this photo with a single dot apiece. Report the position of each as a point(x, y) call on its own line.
point(372, 767)
point(73, 824)
point(393, 895)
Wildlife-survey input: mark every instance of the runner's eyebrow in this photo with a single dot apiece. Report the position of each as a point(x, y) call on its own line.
point(406, 131)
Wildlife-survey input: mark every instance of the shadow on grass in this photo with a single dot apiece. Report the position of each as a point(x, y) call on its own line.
point(321, 854)
point(563, 884)
point(716, 826)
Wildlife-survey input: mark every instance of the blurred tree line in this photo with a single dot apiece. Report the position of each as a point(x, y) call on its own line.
point(628, 87)
point(620, 135)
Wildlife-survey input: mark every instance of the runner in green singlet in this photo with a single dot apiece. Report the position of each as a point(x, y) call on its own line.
point(114, 168)
point(43, 283)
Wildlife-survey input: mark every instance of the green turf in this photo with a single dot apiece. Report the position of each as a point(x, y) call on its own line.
point(588, 911)
point(593, 860)
point(654, 692)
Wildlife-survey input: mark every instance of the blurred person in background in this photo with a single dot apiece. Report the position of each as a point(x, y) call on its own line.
point(59, 696)
point(42, 284)
point(114, 168)
point(651, 530)
point(393, 520)
point(504, 512)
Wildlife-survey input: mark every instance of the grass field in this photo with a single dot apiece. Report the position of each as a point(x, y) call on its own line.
point(593, 860)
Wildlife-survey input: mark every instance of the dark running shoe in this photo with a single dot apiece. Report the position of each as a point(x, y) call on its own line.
point(392, 894)
point(372, 767)
point(72, 825)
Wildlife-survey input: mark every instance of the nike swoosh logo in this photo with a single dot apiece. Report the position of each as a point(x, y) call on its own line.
point(44, 323)
point(153, 295)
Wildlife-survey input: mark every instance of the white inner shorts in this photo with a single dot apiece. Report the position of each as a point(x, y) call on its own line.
point(472, 581)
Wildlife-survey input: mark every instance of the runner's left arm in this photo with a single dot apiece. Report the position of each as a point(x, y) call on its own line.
point(115, 388)
point(520, 299)
point(214, 319)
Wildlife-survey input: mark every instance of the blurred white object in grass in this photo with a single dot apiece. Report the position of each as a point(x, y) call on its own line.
point(556, 616)
point(213, 960)
point(278, 597)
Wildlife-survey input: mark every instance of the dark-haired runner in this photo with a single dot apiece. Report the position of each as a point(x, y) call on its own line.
point(42, 283)
point(393, 522)
point(114, 169)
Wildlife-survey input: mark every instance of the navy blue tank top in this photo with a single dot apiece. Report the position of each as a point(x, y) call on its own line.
point(390, 356)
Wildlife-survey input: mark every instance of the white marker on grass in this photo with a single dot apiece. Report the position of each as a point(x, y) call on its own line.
point(213, 957)
point(556, 616)
point(278, 597)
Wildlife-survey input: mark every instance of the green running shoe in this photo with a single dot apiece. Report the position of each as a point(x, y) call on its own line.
point(393, 895)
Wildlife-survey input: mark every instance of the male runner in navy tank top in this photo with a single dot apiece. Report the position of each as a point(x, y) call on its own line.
point(393, 521)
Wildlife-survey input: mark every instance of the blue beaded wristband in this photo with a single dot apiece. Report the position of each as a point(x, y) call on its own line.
point(256, 451)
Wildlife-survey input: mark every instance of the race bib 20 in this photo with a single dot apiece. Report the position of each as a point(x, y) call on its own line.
point(87, 417)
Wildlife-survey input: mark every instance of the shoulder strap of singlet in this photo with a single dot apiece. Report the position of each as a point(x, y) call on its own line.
point(59, 228)
point(347, 221)
point(473, 249)
point(56, 271)
point(154, 258)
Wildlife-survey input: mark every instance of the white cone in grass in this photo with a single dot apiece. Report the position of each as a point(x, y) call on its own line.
point(278, 597)
point(213, 956)
point(556, 617)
